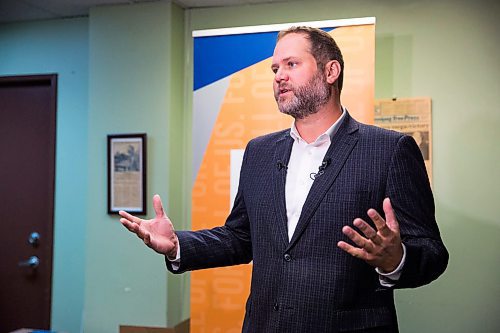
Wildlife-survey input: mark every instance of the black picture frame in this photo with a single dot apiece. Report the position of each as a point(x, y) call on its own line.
point(127, 173)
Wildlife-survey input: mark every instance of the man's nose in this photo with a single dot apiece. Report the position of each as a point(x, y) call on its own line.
point(281, 75)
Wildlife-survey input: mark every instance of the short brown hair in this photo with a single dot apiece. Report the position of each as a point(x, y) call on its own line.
point(323, 47)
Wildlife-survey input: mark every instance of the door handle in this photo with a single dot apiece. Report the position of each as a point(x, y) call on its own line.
point(34, 239)
point(32, 262)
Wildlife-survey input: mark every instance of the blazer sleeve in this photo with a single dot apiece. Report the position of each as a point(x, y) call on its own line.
point(226, 245)
point(411, 196)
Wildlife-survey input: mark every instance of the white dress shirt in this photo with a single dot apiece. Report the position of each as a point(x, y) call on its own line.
point(305, 160)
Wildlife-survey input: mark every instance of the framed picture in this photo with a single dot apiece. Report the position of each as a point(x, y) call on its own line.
point(127, 173)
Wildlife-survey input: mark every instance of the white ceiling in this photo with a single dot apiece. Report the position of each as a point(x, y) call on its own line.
point(28, 10)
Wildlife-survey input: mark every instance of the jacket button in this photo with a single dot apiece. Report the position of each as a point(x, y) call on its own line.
point(276, 307)
point(287, 257)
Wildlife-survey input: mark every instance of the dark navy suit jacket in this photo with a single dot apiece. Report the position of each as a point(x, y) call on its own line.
point(308, 284)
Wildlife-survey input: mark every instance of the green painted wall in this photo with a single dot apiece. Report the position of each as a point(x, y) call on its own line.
point(180, 162)
point(61, 47)
point(446, 50)
point(132, 81)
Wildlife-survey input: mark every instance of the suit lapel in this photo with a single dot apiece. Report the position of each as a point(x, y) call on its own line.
point(341, 147)
point(281, 158)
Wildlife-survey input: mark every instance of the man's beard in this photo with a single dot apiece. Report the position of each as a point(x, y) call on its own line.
point(306, 99)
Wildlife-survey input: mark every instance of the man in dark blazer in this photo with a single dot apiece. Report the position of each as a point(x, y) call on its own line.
point(299, 190)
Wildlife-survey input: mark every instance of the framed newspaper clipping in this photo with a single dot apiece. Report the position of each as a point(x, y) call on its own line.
point(127, 173)
point(412, 116)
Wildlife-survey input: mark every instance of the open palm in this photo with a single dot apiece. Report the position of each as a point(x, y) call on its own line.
point(157, 233)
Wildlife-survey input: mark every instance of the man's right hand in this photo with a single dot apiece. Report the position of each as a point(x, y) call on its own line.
point(157, 233)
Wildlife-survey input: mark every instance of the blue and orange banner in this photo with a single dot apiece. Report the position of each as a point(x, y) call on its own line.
point(233, 102)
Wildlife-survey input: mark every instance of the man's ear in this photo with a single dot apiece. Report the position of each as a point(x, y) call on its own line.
point(332, 71)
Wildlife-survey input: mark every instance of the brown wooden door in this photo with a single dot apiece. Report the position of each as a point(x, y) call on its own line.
point(27, 171)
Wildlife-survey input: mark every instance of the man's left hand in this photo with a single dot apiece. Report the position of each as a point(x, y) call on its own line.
point(381, 248)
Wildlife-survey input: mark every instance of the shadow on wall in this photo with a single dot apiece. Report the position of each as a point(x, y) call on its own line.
point(466, 297)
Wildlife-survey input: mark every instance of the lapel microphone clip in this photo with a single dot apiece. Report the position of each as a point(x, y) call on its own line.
point(280, 165)
point(321, 169)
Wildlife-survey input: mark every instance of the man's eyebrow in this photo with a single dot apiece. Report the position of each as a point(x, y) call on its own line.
point(282, 60)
